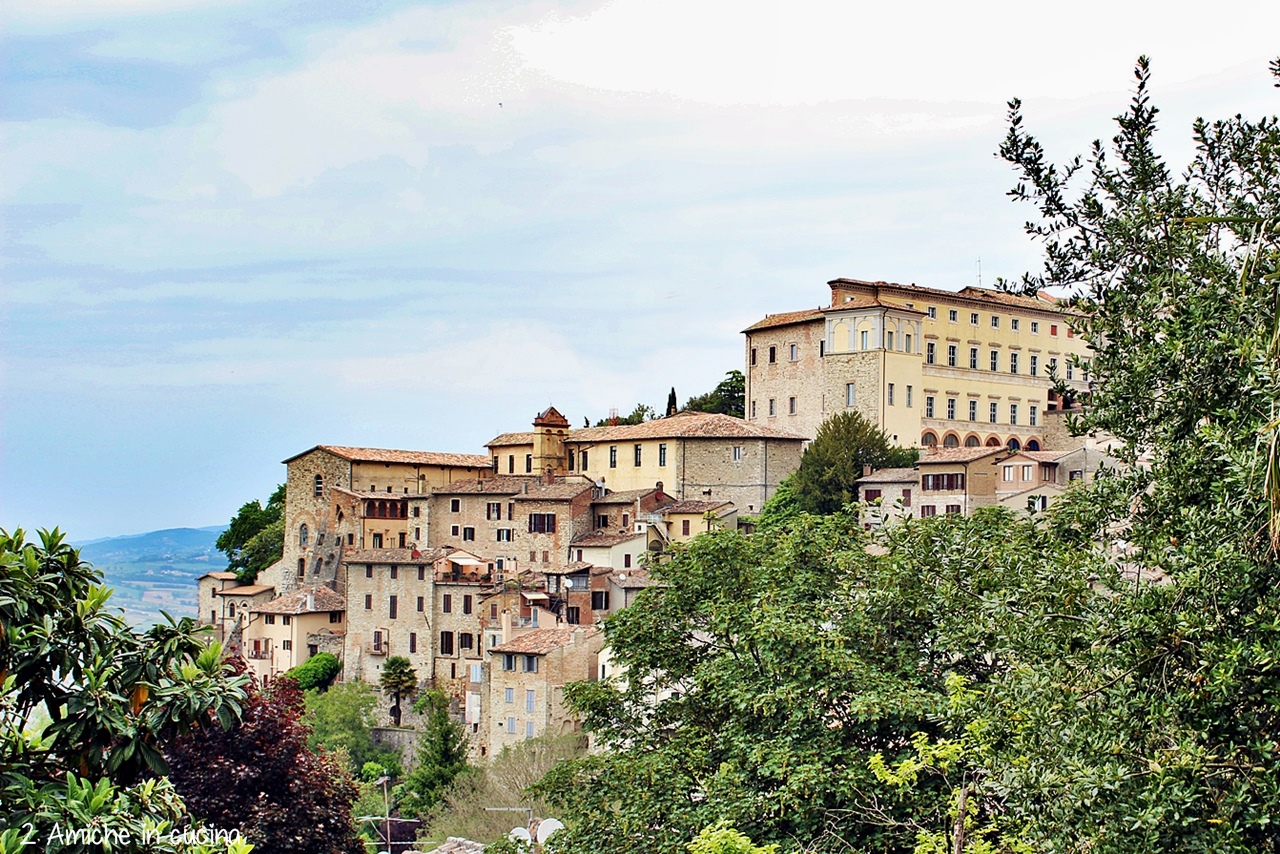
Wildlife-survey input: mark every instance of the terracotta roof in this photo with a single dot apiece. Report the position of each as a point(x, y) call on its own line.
point(245, 590)
point(387, 455)
point(393, 555)
point(221, 576)
point(378, 496)
point(958, 455)
point(871, 302)
point(558, 491)
point(695, 506)
point(787, 318)
point(488, 486)
point(542, 641)
point(570, 568)
point(1043, 302)
point(1043, 456)
point(682, 425)
point(631, 579)
point(321, 598)
point(625, 496)
point(604, 539)
point(504, 439)
point(890, 476)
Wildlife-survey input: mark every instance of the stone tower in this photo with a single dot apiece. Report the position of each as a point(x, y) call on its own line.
point(549, 431)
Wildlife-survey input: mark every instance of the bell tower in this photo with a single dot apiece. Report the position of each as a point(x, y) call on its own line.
point(549, 431)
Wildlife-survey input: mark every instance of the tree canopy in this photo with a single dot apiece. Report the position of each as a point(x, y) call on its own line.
point(399, 679)
point(254, 539)
point(727, 398)
point(834, 460)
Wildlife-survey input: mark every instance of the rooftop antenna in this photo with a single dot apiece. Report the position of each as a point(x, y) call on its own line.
point(979, 271)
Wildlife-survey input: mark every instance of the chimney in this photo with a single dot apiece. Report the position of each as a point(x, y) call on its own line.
point(311, 600)
point(866, 469)
point(551, 475)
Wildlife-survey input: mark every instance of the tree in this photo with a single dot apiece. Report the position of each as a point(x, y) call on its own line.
point(254, 539)
point(113, 699)
point(262, 778)
point(318, 672)
point(442, 756)
point(727, 398)
point(341, 720)
point(834, 461)
point(642, 413)
point(399, 679)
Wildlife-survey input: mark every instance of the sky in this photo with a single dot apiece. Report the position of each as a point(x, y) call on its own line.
point(235, 230)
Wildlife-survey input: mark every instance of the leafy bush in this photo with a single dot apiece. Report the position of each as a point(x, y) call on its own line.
point(318, 671)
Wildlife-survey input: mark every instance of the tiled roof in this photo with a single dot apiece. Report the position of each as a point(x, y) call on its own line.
point(891, 476)
point(309, 600)
point(785, 319)
point(488, 486)
point(503, 439)
point(871, 302)
point(221, 576)
point(957, 455)
point(245, 590)
point(625, 496)
point(377, 496)
point(558, 491)
point(604, 539)
point(542, 641)
point(695, 506)
point(393, 555)
point(631, 579)
point(1044, 456)
point(682, 425)
point(387, 455)
point(1042, 302)
point(570, 568)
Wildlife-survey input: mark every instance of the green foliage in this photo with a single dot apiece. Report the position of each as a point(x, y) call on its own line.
point(725, 840)
point(399, 679)
point(442, 756)
point(111, 699)
point(845, 443)
point(341, 720)
point(318, 671)
point(728, 398)
point(254, 539)
point(782, 506)
point(642, 413)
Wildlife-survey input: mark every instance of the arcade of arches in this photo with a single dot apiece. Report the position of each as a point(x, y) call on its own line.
point(953, 440)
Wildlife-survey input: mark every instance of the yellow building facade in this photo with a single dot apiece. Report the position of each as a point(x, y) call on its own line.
point(968, 368)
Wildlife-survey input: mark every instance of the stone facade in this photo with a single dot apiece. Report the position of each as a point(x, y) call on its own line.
point(527, 679)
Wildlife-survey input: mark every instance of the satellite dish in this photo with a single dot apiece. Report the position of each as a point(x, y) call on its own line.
point(547, 827)
point(568, 582)
point(520, 834)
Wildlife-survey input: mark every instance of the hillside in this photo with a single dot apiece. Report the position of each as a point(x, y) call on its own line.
point(155, 571)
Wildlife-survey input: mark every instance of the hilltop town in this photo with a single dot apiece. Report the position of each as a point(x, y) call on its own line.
point(492, 573)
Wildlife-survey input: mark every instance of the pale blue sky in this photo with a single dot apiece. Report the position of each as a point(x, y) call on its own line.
point(234, 230)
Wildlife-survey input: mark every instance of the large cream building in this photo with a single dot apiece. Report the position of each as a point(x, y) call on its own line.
point(930, 367)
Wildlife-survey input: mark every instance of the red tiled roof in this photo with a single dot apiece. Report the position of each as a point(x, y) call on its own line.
point(694, 506)
point(387, 455)
point(245, 590)
point(488, 486)
point(393, 555)
point(682, 425)
point(1043, 301)
point(1043, 456)
point(786, 318)
point(221, 576)
point(625, 496)
point(604, 539)
point(504, 439)
point(901, 475)
point(542, 641)
point(309, 600)
point(958, 455)
point(631, 579)
point(559, 491)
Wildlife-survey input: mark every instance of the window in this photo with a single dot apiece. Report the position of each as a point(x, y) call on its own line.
point(511, 725)
point(477, 672)
point(872, 494)
point(773, 355)
point(626, 561)
point(455, 505)
point(737, 453)
point(862, 338)
point(1026, 473)
point(286, 645)
point(528, 463)
point(906, 498)
point(1071, 371)
point(584, 468)
point(753, 409)
point(1013, 363)
point(391, 607)
point(413, 641)
point(319, 486)
point(446, 603)
point(303, 536)
point(973, 410)
point(1035, 327)
point(335, 616)
point(493, 511)
point(503, 535)
point(493, 611)
point(791, 405)
point(908, 395)
point(530, 664)
point(684, 527)
point(973, 318)
point(995, 360)
point(509, 695)
point(529, 699)
point(930, 353)
point(368, 601)
point(1053, 329)
point(455, 530)
point(993, 412)
point(890, 394)
point(269, 619)
point(928, 510)
point(1035, 366)
point(662, 454)
point(637, 455)
point(773, 406)
point(417, 532)
point(466, 641)
point(572, 456)
point(613, 456)
point(973, 358)
point(511, 464)
point(508, 663)
point(928, 406)
point(599, 600)
point(468, 533)
point(795, 352)
point(953, 316)
point(542, 523)
point(951, 355)
point(573, 615)
point(1053, 365)
point(850, 394)
point(466, 603)
point(422, 604)
point(995, 321)
point(368, 571)
point(602, 520)
point(1013, 413)
point(753, 356)
point(626, 521)
point(888, 340)
point(1031, 416)
point(528, 729)
point(1013, 324)
point(932, 311)
point(951, 408)
point(446, 643)
point(1006, 474)
point(1075, 474)
point(953, 509)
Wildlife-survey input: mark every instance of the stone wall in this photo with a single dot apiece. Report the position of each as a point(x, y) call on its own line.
point(784, 379)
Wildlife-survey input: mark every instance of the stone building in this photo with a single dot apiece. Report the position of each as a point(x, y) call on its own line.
point(966, 368)
point(695, 455)
point(527, 679)
point(286, 631)
point(957, 480)
point(684, 520)
point(888, 493)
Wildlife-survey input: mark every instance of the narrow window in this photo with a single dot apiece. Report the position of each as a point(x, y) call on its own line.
point(662, 454)
point(951, 408)
point(466, 603)
point(928, 406)
point(889, 394)
point(422, 604)
point(1013, 413)
point(973, 358)
point(773, 355)
point(907, 345)
point(973, 318)
point(1031, 416)
point(908, 395)
point(791, 405)
point(850, 394)
point(368, 601)
point(613, 456)
point(446, 603)
point(529, 699)
point(1035, 366)
point(395, 571)
point(1035, 327)
point(933, 312)
point(995, 322)
point(930, 352)
point(953, 316)
point(319, 486)
point(795, 352)
point(1013, 324)
point(995, 360)
point(446, 643)
point(773, 406)
point(1013, 363)
point(951, 355)
point(993, 412)
point(511, 464)
point(636, 451)
point(413, 641)
point(391, 607)
point(753, 356)
point(973, 410)
point(528, 463)
point(888, 340)
point(863, 337)
point(737, 453)
point(684, 527)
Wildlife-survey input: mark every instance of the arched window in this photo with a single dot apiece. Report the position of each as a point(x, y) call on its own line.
point(1033, 445)
point(302, 567)
point(928, 440)
point(303, 535)
point(1014, 445)
point(951, 441)
point(993, 441)
point(231, 611)
point(972, 442)
point(319, 486)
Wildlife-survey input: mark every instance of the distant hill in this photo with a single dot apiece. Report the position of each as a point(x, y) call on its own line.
point(155, 571)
